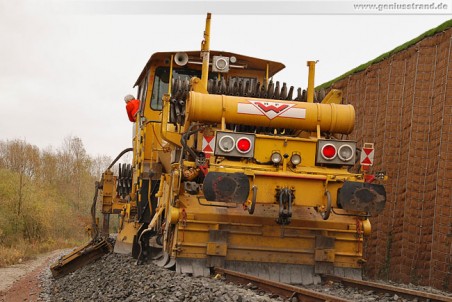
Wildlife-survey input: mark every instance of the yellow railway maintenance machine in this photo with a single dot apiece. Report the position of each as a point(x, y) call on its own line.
point(233, 170)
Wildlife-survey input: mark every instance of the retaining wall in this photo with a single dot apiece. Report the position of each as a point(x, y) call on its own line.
point(404, 105)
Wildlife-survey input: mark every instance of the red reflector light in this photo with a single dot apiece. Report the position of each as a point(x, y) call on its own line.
point(244, 145)
point(329, 152)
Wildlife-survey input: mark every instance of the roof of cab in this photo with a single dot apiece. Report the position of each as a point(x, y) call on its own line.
point(250, 62)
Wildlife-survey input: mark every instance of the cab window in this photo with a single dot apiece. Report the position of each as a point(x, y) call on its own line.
point(161, 82)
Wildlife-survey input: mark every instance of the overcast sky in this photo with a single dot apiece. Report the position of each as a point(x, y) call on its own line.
point(66, 74)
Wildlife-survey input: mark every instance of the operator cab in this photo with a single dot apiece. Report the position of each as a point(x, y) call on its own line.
point(153, 81)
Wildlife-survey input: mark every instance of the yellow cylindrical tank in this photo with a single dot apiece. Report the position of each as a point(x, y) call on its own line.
point(335, 118)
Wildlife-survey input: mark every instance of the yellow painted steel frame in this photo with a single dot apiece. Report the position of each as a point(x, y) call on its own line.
point(205, 47)
point(111, 203)
point(334, 96)
point(311, 76)
point(128, 230)
point(190, 220)
point(257, 237)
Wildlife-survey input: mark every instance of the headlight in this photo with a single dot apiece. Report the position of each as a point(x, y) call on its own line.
point(295, 159)
point(226, 143)
point(220, 64)
point(276, 158)
point(345, 152)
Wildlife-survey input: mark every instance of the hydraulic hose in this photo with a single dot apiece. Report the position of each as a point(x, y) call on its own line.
point(119, 156)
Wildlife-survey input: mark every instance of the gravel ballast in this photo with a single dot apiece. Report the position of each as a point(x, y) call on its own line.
point(116, 277)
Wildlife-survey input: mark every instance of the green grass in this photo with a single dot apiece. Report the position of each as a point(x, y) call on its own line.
point(386, 55)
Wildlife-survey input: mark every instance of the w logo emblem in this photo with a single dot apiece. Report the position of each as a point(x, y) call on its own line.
point(271, 109)
point(267, 108)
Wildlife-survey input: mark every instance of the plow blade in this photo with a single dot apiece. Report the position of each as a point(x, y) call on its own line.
point(80, 257)
point(122, 247)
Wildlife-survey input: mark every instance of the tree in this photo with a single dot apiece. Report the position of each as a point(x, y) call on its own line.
point(22, 158)
point(45, 196)
point(99, 164)
point(8, 196)
point(49, 167)
point(74, 166)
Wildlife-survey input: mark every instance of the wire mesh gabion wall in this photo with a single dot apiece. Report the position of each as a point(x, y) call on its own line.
point(404, 105)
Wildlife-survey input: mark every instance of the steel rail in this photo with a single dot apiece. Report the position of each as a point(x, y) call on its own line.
point(281, 289)
point(384, 288)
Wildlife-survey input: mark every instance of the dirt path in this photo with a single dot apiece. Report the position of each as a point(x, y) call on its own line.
point(21, 282)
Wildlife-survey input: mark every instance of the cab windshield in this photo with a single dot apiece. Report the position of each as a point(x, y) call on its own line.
point(161, 82)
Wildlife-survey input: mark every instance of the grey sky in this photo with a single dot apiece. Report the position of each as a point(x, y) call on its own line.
point(66, 74)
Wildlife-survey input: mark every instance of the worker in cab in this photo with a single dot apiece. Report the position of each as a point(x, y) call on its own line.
point(132, 107)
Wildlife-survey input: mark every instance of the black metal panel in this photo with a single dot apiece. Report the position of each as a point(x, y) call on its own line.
point(362, 197)
point(226, 187)
point(136, 249)
point(144, 213)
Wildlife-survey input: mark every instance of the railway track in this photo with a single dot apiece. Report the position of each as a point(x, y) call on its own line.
point(385, 288)
point(301, 294)
point(284, 290)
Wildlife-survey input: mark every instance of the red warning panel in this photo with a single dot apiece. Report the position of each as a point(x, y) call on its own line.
point(208, 144)
point(367, 155)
